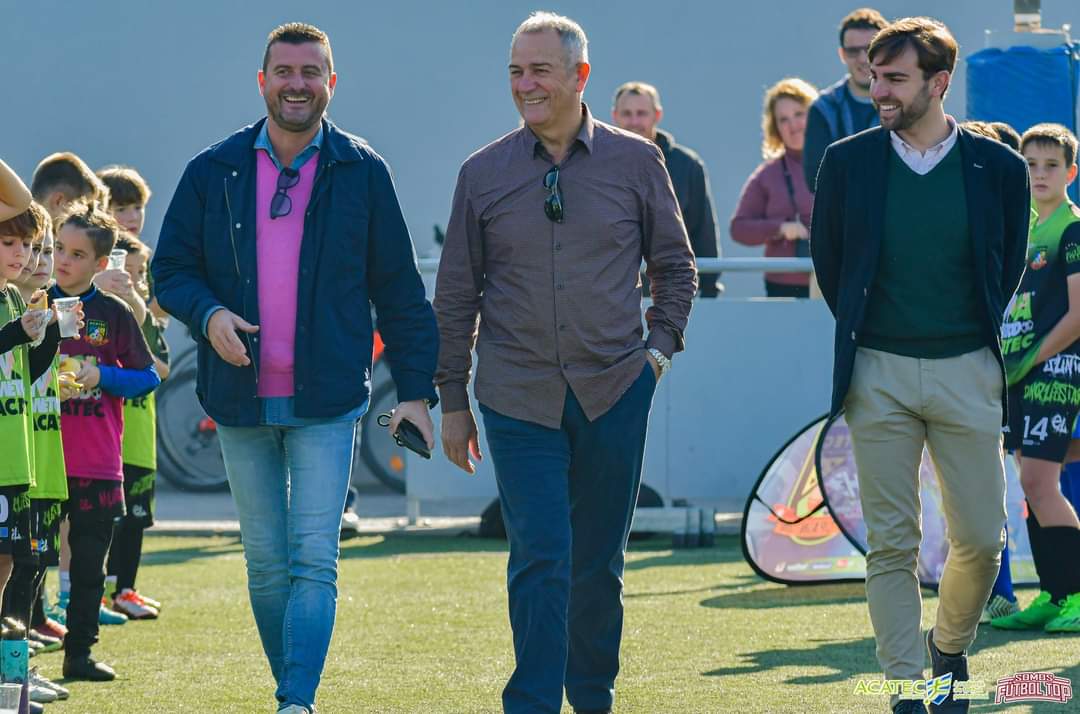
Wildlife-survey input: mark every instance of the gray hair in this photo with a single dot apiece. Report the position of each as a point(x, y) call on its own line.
point(574, 42)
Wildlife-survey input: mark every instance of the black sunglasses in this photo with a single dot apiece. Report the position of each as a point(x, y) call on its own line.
point(281, 204)
point(553, 208)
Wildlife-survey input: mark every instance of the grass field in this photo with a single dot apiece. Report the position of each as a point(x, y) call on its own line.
point(422, 627)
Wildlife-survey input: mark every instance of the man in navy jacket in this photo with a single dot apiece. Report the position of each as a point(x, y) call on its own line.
point(277, 242)
point(918, 238)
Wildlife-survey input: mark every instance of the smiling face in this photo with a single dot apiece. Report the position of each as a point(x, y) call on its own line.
point(297, 85)
point(76, 264)
point(900, 93)
point(853, 54)
point(790, 117)
point(546, 91)
point(637, 113)
point(1050, 175)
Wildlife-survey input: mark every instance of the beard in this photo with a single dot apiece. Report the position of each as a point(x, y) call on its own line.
point(907, 115)
point(275, 107)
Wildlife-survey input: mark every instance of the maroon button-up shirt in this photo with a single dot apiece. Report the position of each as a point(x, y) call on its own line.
point(559, 303)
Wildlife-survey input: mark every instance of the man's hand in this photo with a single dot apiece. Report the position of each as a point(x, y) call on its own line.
point(654, 364)
point(89, 375)
point(793, 230)
point(417, 413)
point(221, 330)
point(460, 438)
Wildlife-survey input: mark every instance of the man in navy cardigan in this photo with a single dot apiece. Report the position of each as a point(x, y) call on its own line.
point(277, 242)
point(918, 239)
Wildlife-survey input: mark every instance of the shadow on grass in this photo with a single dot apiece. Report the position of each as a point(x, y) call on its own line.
point(788, 596)
point(227, 546)
point(392, 545)
point(846, 659)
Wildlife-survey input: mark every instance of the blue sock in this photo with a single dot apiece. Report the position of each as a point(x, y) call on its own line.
point(1003, 584)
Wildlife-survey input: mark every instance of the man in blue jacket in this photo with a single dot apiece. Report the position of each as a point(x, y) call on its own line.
point(918, 239)
point(277, 241)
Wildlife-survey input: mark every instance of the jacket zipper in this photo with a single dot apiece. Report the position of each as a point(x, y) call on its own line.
point(243, 287)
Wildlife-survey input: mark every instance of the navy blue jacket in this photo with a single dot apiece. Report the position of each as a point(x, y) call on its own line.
point(848, 222)
point(356, 252)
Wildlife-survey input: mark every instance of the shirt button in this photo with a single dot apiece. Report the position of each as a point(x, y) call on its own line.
point(558, 246)
point(559, 286)
point(234, 173)
point(562, 327)
point(853, 334)
point(237, 225)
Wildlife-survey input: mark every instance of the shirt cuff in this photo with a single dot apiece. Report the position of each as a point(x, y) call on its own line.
point(454, 397)
point(206, 320)
point(662, 340)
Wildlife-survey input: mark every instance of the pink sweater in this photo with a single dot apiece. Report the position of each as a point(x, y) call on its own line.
point(278, 254)
point(764, 204)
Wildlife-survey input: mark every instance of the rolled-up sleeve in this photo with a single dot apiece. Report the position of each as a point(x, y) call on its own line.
point(669, 261)
point(458, 289)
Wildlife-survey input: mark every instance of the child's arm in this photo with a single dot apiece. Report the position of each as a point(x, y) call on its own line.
point(119, 381)
point(1067, 329)
point(14, 195)
point(41, 357)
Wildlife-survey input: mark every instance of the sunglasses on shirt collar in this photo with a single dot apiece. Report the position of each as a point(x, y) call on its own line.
point(553, 205)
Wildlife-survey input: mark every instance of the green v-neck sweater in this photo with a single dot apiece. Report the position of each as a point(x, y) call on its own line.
point(924, 301)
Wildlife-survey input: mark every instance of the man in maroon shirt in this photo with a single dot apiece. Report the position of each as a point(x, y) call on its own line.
point(549, 226)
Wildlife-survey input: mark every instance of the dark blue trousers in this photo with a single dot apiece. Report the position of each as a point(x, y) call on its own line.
point(568, 497)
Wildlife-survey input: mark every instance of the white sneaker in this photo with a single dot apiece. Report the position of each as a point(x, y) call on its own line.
point(37, 680)
point(41, 695)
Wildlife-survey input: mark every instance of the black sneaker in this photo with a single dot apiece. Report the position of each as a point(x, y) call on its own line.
point(88, 669)
point(909, 706)
point(941, 664)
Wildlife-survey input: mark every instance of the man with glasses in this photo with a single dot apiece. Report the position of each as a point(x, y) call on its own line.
point(844, 108)
point(277, 241)
point(547, 232)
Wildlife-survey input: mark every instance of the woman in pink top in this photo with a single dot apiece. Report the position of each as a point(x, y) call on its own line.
point(775, 204)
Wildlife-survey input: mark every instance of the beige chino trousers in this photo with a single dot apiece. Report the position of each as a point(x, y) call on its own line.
point(894, 406)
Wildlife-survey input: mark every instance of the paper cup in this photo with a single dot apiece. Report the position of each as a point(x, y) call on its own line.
point(66, 317)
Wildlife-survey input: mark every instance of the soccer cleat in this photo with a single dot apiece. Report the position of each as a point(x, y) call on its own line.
point(1068, 620)
point(51, 628)
point(999, 606)
point(148, 601)
point(37, 679)
point(1033, 617)
point(109, 617)
point(49, 644)
point(130, 604)
point(88, 669)
point(909, 706)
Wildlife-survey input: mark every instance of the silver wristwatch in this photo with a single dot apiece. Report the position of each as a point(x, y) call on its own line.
point(661, 359)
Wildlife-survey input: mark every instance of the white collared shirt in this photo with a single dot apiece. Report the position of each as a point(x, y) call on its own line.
point(923, 162)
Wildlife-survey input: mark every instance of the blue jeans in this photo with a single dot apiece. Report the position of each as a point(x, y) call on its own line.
point(568, 497)
point(289, 478)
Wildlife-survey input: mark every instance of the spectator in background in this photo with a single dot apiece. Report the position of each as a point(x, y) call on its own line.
point(62, 179)
point(1007, 135)
point(637, 108)
point(774, 207)
point(844, 108)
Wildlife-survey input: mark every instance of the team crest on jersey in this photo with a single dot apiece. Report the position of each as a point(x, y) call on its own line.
point(1039, 261)
point(97, 332)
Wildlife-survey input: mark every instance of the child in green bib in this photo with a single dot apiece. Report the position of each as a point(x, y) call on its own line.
point(1040, 342)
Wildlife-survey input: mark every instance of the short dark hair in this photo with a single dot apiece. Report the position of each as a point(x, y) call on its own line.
point(30, 225)
point(126, 186)
point(933, 44)
point(298, 33)
point(1007, 135)
point(129, 243)
point(864, 18)
point(101, 228)
point(1048, 134)
point(64, 171)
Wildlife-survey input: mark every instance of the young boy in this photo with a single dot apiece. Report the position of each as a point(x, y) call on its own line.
point(1041, 346)
point(139, 453)
point(115, 365)
point(49, 491)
